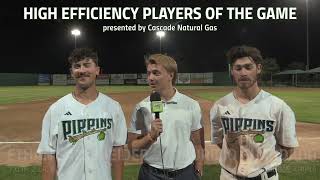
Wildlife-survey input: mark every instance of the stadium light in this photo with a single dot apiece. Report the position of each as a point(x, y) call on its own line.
point(75, 33)
point(160, 34)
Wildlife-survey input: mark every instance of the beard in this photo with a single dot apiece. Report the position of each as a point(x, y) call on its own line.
point(246, 83)
point(84, 85)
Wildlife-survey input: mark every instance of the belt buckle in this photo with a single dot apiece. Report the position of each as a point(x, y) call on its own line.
point(249, 178)
point(167, 172)
point(171, 174)
point(241, 178)
point(157, 170)
point(271, 173)
point(256, 177)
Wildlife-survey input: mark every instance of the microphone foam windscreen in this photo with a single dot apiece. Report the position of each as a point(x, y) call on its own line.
point(155, 96)
point(156, 103)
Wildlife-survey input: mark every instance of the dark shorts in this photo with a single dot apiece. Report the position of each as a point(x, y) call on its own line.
point(150, 173)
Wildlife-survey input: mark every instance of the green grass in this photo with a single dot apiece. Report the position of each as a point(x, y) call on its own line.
point(290, 170)
point(20, 94)
point(17, 173)
point(304, 102)
point(306, 105)
point(300, 170)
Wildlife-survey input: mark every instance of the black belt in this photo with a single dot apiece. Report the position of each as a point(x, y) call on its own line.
point(167, 172)
point(271, 173)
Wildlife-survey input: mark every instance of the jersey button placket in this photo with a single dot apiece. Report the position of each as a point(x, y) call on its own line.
point(85, 115)
point(243, 155)
point(243, 140)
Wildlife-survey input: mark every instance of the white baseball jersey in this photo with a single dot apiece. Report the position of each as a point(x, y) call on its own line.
point(251, 132)
point(82, 136)
point(181, 115)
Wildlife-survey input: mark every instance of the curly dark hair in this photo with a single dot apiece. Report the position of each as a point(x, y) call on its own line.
point(237, 52)
point(80, 54)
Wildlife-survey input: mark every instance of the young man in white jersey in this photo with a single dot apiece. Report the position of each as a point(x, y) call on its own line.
point(171, 143)
point(254, 129)
point(84, 132)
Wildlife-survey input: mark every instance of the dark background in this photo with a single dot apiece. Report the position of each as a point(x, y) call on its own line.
point(42, 46)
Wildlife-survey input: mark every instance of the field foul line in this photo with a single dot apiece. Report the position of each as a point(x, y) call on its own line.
point(37, 142)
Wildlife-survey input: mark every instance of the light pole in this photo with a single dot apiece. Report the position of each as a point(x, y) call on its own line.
point(75, 32)
point(160, 34)
point(307, 7)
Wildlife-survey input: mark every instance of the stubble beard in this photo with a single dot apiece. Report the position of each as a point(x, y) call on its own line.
point(248, 84)
point(84, 87)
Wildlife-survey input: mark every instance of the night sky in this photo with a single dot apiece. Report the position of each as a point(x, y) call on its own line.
point(42, 46)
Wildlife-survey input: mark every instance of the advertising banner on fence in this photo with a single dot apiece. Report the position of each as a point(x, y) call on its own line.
point(130, 76)
point(196, 78)
point(142, 76)
point(208, 78)
point(102, 79)
point(116, 81)
point(44, 79)
point(70, 80)
point(130, 81)
point(116, 76)
point(142, 81)
point(59, 79)
point(183, 78)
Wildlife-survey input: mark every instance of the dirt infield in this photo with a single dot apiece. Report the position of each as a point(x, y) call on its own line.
point(22, 122)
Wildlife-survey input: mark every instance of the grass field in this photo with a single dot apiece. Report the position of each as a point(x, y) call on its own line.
point(290, 170)
point(304, 102)
point(20, 94)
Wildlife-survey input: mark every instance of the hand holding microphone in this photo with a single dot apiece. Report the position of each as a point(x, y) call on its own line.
point(156, 129)
point(156, 125)
point(157, 108)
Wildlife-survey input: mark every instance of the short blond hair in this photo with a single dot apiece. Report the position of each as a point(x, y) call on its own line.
point(167, 62)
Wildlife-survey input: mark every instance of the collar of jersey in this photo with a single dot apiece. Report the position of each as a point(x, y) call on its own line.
point(174, 99)
point(77, 102)
point(254, 100)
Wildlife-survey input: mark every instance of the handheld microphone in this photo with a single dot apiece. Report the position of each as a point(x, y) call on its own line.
point(156, 104)
point(157, 108)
